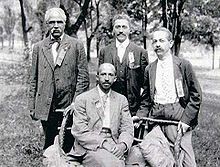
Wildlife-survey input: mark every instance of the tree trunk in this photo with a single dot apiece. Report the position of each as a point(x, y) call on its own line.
point(72, 30)
point(23, 22)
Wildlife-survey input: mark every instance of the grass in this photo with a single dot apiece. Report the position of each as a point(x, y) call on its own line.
point(21, 140)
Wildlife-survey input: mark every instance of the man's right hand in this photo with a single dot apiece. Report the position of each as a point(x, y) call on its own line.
point(137, 121)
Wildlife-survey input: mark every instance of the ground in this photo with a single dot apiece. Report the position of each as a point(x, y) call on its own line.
point(20, 144)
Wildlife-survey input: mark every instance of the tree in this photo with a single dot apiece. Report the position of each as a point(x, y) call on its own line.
point(9, 21)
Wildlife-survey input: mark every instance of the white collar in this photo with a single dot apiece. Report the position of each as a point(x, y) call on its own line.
point(167, 60)
point(123, 44)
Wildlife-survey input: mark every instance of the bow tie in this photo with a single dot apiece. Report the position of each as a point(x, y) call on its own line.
point(53, 40)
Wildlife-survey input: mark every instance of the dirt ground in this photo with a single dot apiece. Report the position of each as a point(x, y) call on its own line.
point(19, 140)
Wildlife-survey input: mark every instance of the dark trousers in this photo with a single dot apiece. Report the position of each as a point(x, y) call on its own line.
point(50, 128)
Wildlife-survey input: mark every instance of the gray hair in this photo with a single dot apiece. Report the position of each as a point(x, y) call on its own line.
point(169, 34)
point(59, 11)
point(106, 65)
point(121, 16)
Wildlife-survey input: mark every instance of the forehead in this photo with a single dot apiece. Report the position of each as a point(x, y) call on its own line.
point(121, 22)
point(106, 69)
point(160, 35)
point(54, 16)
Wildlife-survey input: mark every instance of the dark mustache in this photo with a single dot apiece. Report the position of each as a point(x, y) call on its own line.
point(120, 33)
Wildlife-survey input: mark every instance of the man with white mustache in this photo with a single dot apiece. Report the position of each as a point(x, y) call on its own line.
point(129, 60)
point(59, 73)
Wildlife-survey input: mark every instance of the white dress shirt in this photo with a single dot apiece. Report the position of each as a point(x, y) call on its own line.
point(165, 84)
point(106, 107)
point(54, 49)
point(121, 47)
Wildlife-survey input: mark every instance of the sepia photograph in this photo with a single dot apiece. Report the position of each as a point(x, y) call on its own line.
point(109, 83)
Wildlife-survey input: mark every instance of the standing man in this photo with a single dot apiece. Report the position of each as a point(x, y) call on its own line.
point(102, 124)
point(129, 60)
point(59, 72)
point(172, 91)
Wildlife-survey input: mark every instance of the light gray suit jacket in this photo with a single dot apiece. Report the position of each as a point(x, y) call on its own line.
point(88, 119)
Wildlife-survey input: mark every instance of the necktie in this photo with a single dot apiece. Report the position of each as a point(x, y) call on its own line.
point(104, 100)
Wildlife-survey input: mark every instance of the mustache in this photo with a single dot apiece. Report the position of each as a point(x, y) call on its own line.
point(120, 33)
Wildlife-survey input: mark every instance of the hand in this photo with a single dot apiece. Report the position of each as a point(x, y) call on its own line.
point(70, 109)
point(183, 126)
point(119, 150)
point(107, 146)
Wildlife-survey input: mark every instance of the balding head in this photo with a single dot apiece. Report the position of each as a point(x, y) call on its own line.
point(106, 76)
point(106, 66)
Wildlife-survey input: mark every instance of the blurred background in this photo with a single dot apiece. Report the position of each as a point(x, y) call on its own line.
point(195, 25)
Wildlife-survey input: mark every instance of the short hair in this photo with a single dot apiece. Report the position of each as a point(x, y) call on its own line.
point(121, 16)
point(169, 34)
point(106, 64)
point(59, 11)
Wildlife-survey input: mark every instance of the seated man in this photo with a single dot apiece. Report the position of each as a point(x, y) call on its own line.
point(102, 124)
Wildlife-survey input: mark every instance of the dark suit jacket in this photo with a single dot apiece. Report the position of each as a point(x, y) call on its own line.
point(61, 81)
point(192, 92)
point(134, 73)
point(88, 120)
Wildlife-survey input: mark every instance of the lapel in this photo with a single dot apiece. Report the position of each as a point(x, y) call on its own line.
point(48, 53)
point(177, 68)
point(64, 47)
point(113, 53)
point(97, 103)
point(152, 76)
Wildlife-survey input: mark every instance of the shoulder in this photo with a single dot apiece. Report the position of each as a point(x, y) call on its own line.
point(137, 47)
point(86, 95)
point(119, 96)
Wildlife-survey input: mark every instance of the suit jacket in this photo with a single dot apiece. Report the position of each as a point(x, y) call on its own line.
point(134, 72)
point(88, 119)
point(192, 98)
point(62, 80)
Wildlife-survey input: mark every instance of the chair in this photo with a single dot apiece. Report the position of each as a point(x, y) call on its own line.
point(146, 126)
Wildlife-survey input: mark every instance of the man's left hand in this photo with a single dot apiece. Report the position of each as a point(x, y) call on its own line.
point(119, 150)
point(69, 109)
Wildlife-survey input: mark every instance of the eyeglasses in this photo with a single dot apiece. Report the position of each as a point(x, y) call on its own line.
point(54, 22)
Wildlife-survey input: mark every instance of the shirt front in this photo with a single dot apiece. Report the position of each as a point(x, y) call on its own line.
point(54, 48)
point(121, 47)
point(165, 82)
point(105, 100)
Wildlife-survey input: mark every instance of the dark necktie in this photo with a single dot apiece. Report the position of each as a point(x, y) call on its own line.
point(54, 40)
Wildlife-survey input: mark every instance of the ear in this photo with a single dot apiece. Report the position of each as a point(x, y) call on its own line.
point(115, 78)
point(97, 77)
point(171, 43)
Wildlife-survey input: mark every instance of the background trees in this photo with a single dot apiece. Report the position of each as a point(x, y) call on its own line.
point(194, 20)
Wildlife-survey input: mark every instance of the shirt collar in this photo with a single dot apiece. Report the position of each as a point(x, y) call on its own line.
point(167, 60)
point(101, 93)
point(123, 44)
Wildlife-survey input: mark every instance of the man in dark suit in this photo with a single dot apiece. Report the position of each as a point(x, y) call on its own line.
point(102, 123)
point(129, 60)
point(172, 91)
point(59, 72)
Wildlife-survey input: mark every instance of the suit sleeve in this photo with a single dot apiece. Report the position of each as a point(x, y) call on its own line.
point(146, 102)
point(80, 129)
point(144, 63)
point(193, 104)
point(126, 130)
point(82, 84)
point(33, 78)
